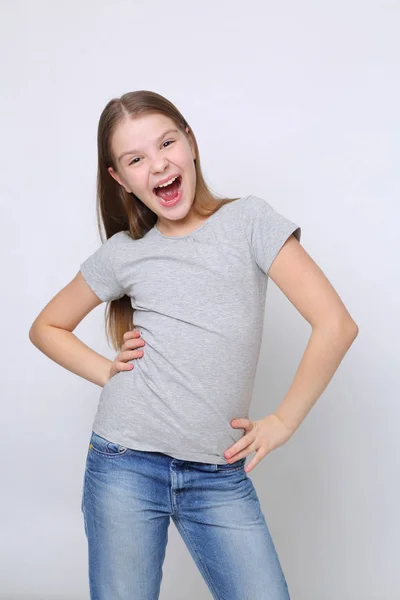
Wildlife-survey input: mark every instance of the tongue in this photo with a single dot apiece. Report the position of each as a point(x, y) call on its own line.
point(170, 191)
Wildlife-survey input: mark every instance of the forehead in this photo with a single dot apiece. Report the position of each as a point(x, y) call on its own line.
point(137, 132)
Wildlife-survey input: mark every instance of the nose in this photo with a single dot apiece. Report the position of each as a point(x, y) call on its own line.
point(159, 164)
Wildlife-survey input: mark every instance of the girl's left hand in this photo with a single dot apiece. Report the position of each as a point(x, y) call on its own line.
point(261, 436)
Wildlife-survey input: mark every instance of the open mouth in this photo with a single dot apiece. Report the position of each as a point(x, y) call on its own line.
point(170, 192)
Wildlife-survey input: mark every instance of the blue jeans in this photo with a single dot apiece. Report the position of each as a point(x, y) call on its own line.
point(127, 501)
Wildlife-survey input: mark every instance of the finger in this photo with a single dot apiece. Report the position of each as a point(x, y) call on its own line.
point(255, 460)
point(241, 446)
point(129, 355)
point(237, 457)
point(122, 366)
point(133, 343)
point(131, 334)
point(240, 423)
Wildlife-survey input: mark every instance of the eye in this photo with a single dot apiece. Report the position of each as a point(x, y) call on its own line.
point(137, 158)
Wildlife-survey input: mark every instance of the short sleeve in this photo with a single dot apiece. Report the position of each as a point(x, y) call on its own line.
point(266, 230)
point(99, 271)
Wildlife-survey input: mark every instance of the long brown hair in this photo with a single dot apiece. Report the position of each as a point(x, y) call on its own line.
point(118, 210)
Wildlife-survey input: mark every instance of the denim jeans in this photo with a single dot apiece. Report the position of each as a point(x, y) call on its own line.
point(127, 501)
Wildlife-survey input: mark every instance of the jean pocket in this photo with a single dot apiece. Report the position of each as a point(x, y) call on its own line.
point(101, 445)
point(231, 467)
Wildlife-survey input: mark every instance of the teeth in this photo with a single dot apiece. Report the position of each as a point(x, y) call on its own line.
point(168, 182)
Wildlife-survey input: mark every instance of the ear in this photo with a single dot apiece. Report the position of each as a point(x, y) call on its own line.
point(117, 178)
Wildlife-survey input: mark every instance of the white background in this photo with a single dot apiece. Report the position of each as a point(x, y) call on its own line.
point(297, 102)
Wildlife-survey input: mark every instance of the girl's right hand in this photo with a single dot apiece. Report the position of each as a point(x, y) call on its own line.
point(132, 340)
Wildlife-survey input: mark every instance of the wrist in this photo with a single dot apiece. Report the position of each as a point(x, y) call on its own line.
point(290, 425)
point(106, 373)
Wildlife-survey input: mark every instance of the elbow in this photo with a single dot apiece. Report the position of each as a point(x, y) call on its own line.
point(355, 329)
point(350, 328)
point(34, 333)
point(345, 328)
point(348, 332)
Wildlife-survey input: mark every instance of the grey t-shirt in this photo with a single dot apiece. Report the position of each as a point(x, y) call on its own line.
point(199, 302)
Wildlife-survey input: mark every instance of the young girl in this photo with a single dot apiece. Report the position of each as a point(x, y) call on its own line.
point(186, 273)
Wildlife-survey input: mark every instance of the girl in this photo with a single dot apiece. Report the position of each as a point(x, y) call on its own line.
point(171, 433)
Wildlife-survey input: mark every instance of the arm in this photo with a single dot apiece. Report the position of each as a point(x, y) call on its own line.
point(333, 329)
point(51, 332)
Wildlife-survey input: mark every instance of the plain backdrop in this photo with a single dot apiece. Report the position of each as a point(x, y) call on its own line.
point(296, 102)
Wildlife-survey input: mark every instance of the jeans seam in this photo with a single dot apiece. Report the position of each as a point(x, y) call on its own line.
point(180, 524)
point(232, 470)
point(83, 504)
point(229, 470)
point(108, 454)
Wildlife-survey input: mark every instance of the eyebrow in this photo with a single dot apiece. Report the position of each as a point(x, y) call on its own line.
point(157, 140)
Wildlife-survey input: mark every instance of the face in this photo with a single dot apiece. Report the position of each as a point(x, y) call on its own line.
point(149, 150)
